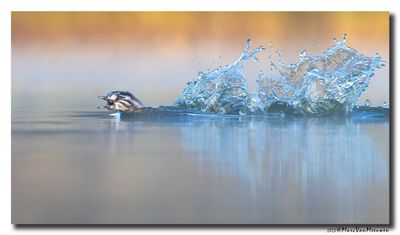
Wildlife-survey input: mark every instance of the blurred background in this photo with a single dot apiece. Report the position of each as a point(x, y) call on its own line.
point(64, 59)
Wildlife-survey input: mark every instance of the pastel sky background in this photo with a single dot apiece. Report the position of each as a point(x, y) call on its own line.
point(68, 58)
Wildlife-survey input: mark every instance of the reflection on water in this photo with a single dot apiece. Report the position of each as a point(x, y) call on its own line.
point(93, 168)
point(258, 150)
point(321, 166)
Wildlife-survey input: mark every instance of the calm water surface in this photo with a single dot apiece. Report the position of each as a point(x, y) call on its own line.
point(89, 167)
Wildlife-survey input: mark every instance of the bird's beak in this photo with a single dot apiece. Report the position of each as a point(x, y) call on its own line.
point(102, 97)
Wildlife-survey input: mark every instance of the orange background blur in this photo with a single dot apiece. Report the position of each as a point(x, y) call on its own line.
point(170, 31)
point(135, 50)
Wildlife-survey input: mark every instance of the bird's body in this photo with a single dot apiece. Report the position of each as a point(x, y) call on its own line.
point(121, 101)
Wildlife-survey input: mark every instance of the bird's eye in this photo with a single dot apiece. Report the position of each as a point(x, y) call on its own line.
point(110, 102)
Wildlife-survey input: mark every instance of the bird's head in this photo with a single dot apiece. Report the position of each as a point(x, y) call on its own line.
point(121, 101)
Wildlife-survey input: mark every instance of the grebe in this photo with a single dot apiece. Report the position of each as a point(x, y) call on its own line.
point(121, 101)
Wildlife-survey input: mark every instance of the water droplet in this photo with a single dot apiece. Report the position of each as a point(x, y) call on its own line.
point(385, 104)
point(367, 103)
point(303, 54)
point(274, 66)
point(248, 44)
point(348, 84)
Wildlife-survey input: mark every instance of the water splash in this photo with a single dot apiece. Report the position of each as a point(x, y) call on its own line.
point(223, 90)
point(316, 85)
